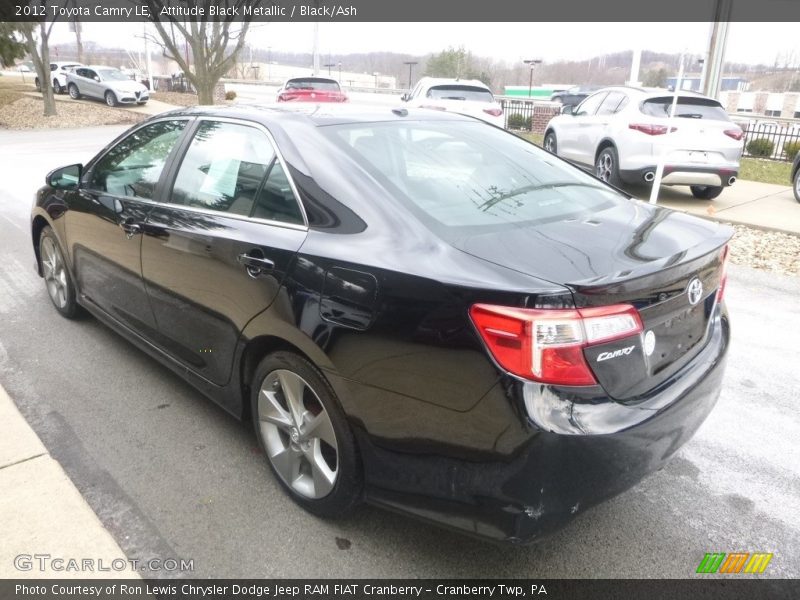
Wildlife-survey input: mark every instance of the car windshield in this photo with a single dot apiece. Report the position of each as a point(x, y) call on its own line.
point(688, 108)
point(458, 176)
point(326, 85)
point(112, 75)
point(460, 92)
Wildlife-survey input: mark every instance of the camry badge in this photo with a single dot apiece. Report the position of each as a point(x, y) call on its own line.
point(694, 291)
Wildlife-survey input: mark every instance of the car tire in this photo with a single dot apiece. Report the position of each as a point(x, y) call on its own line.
point(607, 166)
point(796, 186)
point(57, 89)
point(73, 91)
point(58, 281)
point(705, 192)
point(291, 400)
point(38, 84)
point(110, 98)
point(550, 142)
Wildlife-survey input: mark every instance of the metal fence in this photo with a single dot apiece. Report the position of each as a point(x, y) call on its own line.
point(527, 115)
point(770, 139)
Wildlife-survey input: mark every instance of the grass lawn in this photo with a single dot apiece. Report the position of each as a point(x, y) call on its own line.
point(11, 88)
point(751, 169)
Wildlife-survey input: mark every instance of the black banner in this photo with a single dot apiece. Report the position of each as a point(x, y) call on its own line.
point(410, 589)
point(399, 11)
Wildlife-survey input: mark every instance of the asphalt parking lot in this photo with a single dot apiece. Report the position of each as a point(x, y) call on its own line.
point(172, 475)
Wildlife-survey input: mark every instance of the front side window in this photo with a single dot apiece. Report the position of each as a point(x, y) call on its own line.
point(133, 167)
point(232, 168)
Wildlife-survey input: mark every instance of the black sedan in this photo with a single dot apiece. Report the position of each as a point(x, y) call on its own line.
point(574, 95)
point(414, 308)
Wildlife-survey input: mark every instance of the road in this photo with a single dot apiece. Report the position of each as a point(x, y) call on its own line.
point(172, 475)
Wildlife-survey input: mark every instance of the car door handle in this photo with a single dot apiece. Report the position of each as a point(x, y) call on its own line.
point(131, 228)
point(255, 265)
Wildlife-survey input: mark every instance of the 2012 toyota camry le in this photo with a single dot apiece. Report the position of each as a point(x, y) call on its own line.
point(416, 309)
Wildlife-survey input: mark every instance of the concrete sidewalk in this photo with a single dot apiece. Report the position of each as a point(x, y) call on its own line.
point(42, 514)
point(760, 205)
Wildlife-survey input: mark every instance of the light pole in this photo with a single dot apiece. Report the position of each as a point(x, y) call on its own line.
point(340, 72)
point(410, 64)
point(269, 63)
point(531, 62)
point(375, 74)
point(329, 65)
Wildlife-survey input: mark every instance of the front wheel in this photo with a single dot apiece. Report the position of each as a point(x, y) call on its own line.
point(550, 143)
point(797, 185)
point(111, 99)
point(607, 166)
point(56, 276)
point(705, 192)
point(73, 91)
point(305, 435)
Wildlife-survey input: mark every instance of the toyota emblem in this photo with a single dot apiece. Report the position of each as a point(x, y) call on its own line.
point(694, 291)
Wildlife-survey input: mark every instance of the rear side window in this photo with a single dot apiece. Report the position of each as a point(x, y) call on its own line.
point(133, 167)
point(460, 92)
point(459, 175)
point(688, 108)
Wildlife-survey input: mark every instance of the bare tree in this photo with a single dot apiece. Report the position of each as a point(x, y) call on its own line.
point(213, 45)
point(37, 40)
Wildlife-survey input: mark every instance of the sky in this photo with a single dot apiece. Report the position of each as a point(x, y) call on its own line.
point(747, 42)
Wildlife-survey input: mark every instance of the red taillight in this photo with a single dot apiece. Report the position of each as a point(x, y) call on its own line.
point(547, 345)
point(736, 133)
point(495, 112)
point(651, 129)
point(723, 276)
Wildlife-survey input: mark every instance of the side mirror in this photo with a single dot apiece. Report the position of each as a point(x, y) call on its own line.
point(405, 97)
point(65, 178)
point(568, 109)
point(96, 78)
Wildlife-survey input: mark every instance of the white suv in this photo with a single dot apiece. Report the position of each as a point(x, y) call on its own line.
point(58, 74)
point(622, 131)
point(464, 96)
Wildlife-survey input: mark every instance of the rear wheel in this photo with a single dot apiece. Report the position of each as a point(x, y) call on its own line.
point(38, 84)
point(56, 276)
point(111, 99)
point(705, 192)
point(57, 87)
point(797, 185)
point(607, 166)
point(305, 435)
point(73, 91)
point(550, 143)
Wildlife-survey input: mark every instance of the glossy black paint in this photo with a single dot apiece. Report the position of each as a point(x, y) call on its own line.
point(380, 304)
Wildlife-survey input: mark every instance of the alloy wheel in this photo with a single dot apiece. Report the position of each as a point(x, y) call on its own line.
point(298, 434)
point(605, 166)
point(55, 276)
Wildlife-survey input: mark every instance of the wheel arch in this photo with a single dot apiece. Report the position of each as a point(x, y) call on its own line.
point(37, 225)
point(605, 143)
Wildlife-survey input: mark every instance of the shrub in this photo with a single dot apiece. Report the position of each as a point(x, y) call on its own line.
point(760, 147)
point(230, 95)
point(791, 149)
point(517, 121)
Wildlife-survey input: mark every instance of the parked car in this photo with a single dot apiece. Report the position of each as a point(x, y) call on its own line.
point(622, 131)
point(416, 309)
point(58, 73)
point(796, 177)
point(311, 89)
point(465, 96)
point(574, 95)
point(106, 83)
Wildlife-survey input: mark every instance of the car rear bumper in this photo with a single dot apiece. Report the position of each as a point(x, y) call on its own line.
point(684, 175)
point(580, 450)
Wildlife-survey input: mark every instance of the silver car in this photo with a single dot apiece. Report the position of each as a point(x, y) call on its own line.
point(622, 131)
point(106, 83)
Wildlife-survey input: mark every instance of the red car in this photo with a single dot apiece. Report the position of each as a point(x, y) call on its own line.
point(311, 89)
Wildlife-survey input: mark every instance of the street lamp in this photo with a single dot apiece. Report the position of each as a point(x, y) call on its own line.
point(410, 64)
point(532, 62)
point(329, 65)
point(375, 74)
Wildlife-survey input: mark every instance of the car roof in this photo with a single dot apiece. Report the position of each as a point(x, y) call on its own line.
point(319, 114)
point(651, 92)
point(62, 63)
point(432, 81)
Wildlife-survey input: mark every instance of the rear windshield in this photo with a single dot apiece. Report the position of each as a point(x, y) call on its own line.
point(309, 83)
point(460, 92)
point(460, 175)
point(688, 108)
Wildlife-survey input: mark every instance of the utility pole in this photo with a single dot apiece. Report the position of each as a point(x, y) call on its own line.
point(713, 66)
point(410, 64)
